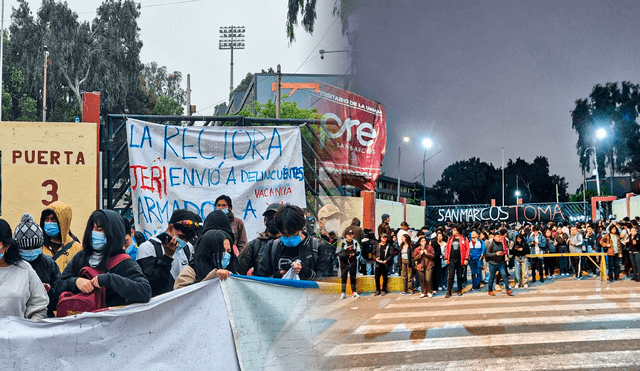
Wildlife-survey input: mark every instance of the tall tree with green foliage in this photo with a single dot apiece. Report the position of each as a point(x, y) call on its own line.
point(306, 9)
point(613, 107)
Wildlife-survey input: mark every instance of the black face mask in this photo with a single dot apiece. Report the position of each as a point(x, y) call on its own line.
point(271, 226)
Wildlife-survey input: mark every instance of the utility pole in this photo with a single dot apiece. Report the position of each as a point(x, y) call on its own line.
point(1, 56)
point(502, 176)
point(231, 37)
point(278, 93)
point(44, 90)
point(189, 95)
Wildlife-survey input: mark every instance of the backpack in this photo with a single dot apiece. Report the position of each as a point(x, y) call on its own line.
point(95, 301)
point(315, 243)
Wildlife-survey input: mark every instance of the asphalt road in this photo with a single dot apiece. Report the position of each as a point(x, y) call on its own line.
point(559, 325)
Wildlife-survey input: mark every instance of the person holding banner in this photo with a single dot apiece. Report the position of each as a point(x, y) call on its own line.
point(162, 257)
point(295, 244)
point(103, 240)
point(213, 256)
point(250, 257)
point(22, 294)
point(30, 238)
point(224, 204)
point(59, 242)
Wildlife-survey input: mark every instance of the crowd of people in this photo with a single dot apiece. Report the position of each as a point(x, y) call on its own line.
point(44, 266)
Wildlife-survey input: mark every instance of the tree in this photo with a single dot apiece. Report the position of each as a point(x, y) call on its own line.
point(156, 81)
point(469, 182)
point(307, 10)
point(613, 107)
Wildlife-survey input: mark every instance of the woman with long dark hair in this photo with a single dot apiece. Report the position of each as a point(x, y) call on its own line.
point(613, 247)
point(213, 256)
point(104, 239)
point(405, 260)
point(423, 257)
point(22, 293)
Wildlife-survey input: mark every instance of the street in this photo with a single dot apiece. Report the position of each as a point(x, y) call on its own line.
point(564, 324)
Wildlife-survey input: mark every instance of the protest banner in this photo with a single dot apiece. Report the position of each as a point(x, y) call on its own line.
point(173, 167)
point(237, 324)
point(532, 213)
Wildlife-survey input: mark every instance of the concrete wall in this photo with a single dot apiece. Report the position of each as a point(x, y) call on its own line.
point(394, 209)
point(619, 208)
point(415, 216)
point(351, 207)
point(634, 204)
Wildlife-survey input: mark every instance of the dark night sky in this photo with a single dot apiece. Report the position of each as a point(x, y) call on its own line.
point(476, 76)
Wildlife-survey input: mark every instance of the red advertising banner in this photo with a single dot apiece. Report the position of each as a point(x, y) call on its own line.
point(355, 136)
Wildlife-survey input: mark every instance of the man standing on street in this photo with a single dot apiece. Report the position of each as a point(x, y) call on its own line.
point(497, 254)
point(383, 256)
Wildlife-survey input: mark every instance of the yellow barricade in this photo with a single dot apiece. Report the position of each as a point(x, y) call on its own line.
point(603, 262)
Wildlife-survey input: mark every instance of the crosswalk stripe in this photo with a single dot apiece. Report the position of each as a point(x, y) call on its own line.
point(572, 361)
point(473, 311)
point(484, 341)
point(521, 321)
point(515, 299)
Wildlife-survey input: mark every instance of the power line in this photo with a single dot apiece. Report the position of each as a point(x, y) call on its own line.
point(315, 47)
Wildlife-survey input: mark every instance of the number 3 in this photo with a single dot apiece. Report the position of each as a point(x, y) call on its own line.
point(53, 192)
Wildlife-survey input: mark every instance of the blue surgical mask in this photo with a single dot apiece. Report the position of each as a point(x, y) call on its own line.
point(226, 258)
point(291, 241)
point(226, 211)
point(181, 244)
point(51, 229)
point(30, 255)
point(98, 240)
point(131, 247)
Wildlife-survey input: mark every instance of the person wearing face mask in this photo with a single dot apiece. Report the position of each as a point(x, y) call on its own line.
point(59, 242)
point(30, 238)
point(22, 294)
point(223, 203)
point(104, 239)
point(281, 254)
point(213, 259)
point(130, 244)
point(163, 257)
point(250, 257)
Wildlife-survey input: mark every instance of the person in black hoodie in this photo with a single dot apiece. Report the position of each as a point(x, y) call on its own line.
point(250, 257)
point(280, 255)
point(30, 237)
point(217, 221)
point(103, 239)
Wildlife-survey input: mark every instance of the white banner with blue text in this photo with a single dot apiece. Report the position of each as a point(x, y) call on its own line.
point(176, 167)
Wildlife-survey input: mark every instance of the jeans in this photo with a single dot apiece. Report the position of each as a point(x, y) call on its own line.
point(564, 262)
point(476, 273)
point(522, 270)
point(455, 267)
point(407, 276)
point(393, 267)
point(425, 280)
point(493, 269)
point(536, 265)
point(613, 266)
point(370, 267)
point(381, 270)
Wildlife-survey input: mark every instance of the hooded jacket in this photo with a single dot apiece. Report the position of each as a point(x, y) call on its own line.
point(250, 257)
point(239, 232)
point(357, 230)
point(125, 283)
point(315, 263)
point(63, 213)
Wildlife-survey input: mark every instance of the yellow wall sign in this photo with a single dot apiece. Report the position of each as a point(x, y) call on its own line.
point(46, 162)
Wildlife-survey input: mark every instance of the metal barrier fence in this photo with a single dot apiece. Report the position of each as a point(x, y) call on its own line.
point(602, 266)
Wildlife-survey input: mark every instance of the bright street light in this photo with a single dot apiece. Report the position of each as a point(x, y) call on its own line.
point(601, 133)
point(405, 139)
point(517, 193)
point(427, 143)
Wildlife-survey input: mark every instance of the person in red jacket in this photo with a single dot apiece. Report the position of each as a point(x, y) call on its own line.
point(456, 255)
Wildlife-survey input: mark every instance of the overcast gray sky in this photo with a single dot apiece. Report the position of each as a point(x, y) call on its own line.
point(479, 75)
point(183, 36)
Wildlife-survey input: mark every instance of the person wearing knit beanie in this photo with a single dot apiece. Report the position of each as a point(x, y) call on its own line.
point(30, 238)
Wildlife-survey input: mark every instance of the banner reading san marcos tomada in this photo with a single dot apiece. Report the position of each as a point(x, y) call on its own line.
point(174, 167)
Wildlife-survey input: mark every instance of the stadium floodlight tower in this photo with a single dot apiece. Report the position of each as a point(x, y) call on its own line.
point(231, 37)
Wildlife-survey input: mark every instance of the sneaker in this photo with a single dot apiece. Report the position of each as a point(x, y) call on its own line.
point(343, 295)
point(377, 293)
point(430, 295)
point(509, 292)
point(355, 295)
point(403, 293)
point(459, 293)
point(447, 295)
point(491, 293)
point(434, 292)
point(384, 293)
point(422, 295)
point(498, 288)
point(410, 292)
point(517, 286)
point(526, 285)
